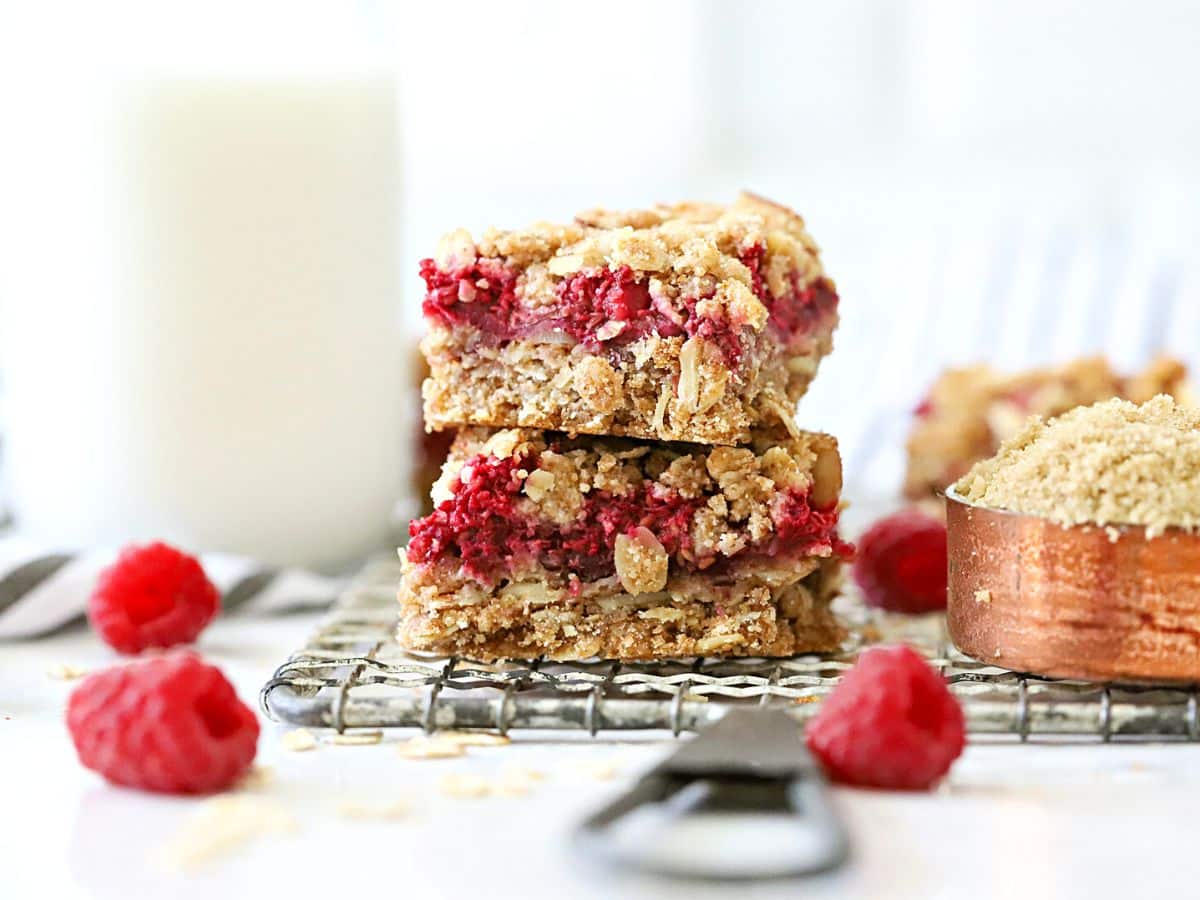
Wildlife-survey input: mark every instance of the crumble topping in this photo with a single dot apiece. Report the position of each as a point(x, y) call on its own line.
point(695, 238)
point(641, 561)
point(689, 322)
point(1113, 463)
point(705, 270)
point(586, 508)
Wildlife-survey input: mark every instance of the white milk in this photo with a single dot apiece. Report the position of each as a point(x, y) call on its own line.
point(201, 339)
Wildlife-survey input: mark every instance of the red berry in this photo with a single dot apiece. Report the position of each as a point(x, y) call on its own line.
point(901, 563)
point(152, 596)
point(890, 723)
point(170, 723)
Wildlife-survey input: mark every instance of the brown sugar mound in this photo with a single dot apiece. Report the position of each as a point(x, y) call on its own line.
point(1113, 463)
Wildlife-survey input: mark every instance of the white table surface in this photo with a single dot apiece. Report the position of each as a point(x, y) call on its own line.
point(1029, 822)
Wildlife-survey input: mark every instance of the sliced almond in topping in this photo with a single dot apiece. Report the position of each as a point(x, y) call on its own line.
point(641, 562)
point(565, 265)
point(689, 374)
point(538, 485)
point(827, 477)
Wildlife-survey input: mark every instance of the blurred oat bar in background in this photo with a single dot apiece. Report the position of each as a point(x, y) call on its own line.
point(969, 411)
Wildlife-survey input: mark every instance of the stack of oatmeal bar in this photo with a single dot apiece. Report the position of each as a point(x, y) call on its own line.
point(628, 480)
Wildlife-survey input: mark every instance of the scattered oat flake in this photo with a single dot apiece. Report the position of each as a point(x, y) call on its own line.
point(66, 672)
point(464, 785)
point(374, 812)
point(223, 825)
point(503, 787)
point(357, 738)
point(429, 748)
point(599, 769)
point(472, 738)
point(522, 774)
point(983, 596)
point(299, 740)
point(256, 778)
point(516, 782)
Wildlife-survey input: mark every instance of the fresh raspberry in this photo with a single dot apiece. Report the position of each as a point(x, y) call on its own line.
point(890, 723)
point(901, 563)
point(170, 723)
point(152, 596)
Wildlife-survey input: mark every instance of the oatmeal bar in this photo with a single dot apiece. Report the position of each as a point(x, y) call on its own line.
point(969, 412)
point(688, 322)
point(571, 548)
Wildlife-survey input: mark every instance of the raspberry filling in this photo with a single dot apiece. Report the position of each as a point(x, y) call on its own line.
point(480, 525)
point(798, 311)
point(603, 307)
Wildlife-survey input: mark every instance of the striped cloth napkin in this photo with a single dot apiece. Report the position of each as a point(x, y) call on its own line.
point(42, 591)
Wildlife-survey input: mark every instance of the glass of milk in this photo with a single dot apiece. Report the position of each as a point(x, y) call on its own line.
point(201, 334)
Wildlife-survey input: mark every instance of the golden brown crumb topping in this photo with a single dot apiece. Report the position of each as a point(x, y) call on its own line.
point(688, 249)
point(1111, 463)
point(740, 486)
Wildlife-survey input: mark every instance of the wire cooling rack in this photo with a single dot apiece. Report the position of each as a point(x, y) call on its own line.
point(353, 674)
